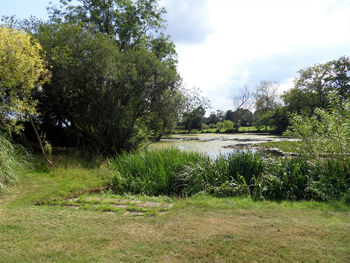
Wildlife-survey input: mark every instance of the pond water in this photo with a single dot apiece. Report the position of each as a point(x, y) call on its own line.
point(214, 144)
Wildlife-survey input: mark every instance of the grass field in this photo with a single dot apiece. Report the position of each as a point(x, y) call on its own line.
point(63, 228)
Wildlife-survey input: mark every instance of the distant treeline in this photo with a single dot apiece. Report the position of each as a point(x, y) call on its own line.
point(265, 108)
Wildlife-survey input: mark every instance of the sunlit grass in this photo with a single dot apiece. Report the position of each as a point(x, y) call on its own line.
point(197, 229)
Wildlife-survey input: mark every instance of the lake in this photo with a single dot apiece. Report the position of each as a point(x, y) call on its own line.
point(214, 144)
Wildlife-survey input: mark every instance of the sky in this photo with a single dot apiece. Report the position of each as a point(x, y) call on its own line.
point(224, 46)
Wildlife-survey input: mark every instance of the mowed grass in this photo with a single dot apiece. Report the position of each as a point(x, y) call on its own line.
point(196, 229)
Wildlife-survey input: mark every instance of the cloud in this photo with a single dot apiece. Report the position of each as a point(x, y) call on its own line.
point(255, 40)
point(281, 68)
point(188, 20)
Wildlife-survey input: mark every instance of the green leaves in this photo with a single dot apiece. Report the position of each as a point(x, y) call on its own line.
point(326, 133)
point(22, 69)
point(131, 23)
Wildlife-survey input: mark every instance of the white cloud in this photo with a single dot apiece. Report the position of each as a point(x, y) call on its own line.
point(253, 40)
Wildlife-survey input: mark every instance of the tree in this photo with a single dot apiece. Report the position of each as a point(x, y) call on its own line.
point(314, 84)
point(212, 119)
point(225, 125)
point(114, 77)
point(241, 102)
point(131, 23)
point(194, 108)
point(193, 119)
point(106, 96)
point(165, 114)
point(22, 70)
point(265, 102)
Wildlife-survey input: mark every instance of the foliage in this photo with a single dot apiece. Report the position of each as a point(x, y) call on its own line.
point(225, 125)
point(131, 23)
point(165, 113)
point(107, 53)
point(12, 162)
point(193, 108)
point(326, 133)
point(133, 86)
point(314, 84)
point(279, 119)
point(22, 70)
point(244, 117)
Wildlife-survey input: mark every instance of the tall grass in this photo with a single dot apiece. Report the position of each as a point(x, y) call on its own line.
point(172, 172)
point(12, 161)
point(151, 172)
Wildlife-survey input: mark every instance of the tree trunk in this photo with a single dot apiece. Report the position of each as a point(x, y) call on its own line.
point(49, 162)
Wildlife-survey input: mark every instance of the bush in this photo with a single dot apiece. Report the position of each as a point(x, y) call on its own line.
point(326, 133)
point(225, 125)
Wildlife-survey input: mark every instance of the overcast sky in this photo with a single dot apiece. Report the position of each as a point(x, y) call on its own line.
point(224, 45)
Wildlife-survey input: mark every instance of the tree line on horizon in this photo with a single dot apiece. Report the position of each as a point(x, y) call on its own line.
point(264, 108)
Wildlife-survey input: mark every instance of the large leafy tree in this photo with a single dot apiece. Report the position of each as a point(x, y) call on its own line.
point(106, 96)
point(22, 70)
point(114, 78)
point(130, 22)
point(314, 84)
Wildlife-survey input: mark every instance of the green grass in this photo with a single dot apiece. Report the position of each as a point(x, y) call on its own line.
point(197, 229)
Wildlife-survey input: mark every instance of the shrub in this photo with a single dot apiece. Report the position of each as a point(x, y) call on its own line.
point(326, 133)
point(225, 125)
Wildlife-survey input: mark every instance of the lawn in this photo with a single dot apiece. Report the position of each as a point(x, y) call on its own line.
point(50, 216)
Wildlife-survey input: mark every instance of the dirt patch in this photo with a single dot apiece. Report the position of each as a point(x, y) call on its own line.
point(119, 205)
point(133, 213)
